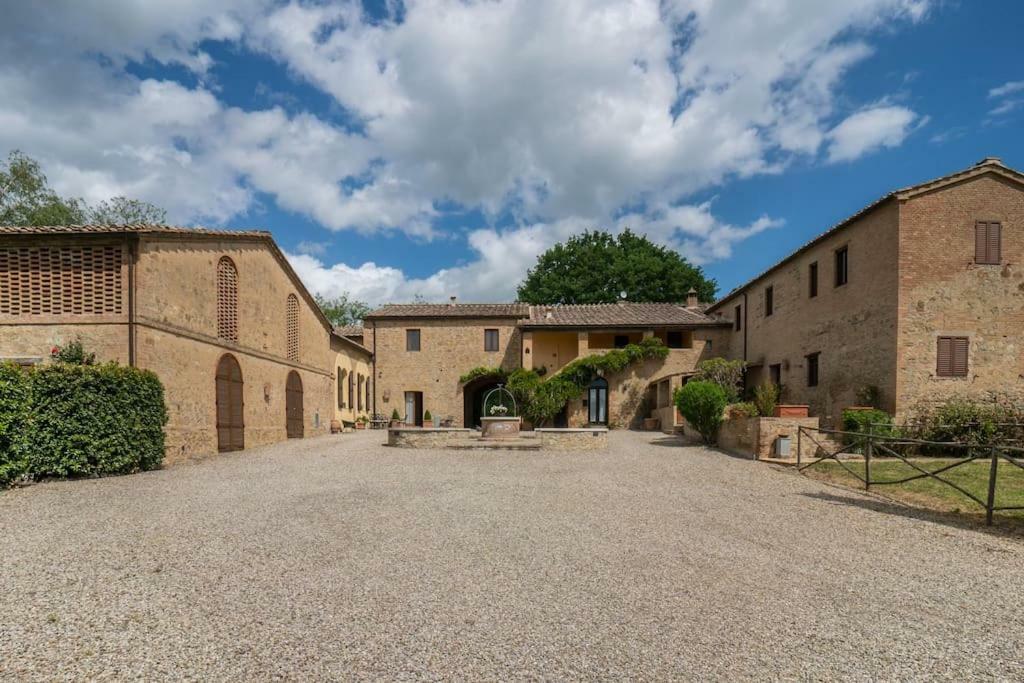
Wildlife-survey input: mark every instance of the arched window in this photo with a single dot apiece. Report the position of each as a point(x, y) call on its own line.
point(597, 401)
point(341, 387)
point(292, 324)
point(227, 300)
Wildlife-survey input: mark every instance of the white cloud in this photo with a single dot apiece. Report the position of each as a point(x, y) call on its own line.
point(869, 130)
point(560, 114)
point(1007, 88)
point(502, 257)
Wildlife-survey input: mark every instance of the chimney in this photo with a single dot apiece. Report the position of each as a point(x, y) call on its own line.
point(451, 300)
point(989, 160)
point(691, 298)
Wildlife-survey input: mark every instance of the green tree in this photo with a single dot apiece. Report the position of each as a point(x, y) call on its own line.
point(343, 310)
point(703, 406)
point(27, 199)
point(119, 210)
point(596, 267)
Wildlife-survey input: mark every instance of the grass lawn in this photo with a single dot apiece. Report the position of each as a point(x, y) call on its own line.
point(931, 493)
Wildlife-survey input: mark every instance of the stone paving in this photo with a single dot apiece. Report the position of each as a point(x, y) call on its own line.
point(338, 558)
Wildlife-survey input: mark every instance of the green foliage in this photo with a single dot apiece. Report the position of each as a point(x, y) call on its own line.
point(745, 409)
point(596, 266)
point(121, 210)
point(341, 310)
point(74, 353)
point(395, 415)
point(540, 399)
point(483, 371)
point(703, 405)
point(963, 420)
point(14, 408)
point(89, 420)
point(872, 421)
point(27, 199)
point(766, 397)
point(727, 374)
point(427, 417)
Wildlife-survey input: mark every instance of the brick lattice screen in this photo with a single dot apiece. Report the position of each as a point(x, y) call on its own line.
point(227, 300)
point(60, 280)
point(293, 327)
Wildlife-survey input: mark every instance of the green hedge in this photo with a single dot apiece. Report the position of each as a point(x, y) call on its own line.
point(703, 406)
point(80, 421)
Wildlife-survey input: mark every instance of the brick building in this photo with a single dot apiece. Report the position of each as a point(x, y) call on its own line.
point(920, 295)
point(421, 350)
point(245, 355)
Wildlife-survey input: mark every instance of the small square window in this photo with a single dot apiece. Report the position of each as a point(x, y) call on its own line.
point(769, 301)
point(674, 339)
point(775, 373)
point(842, 266)
point(812, 369)
point(812, 279)
point(412, 340)
point(490, 340)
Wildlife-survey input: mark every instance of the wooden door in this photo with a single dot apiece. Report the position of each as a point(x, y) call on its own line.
point(293, 405)
point(230, 420)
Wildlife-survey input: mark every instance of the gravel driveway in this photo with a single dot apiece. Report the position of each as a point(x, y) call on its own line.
point(337, 558)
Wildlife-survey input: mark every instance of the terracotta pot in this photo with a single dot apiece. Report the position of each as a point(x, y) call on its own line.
point(360, 425)
point(652, 424)
point(791, 411)
point(335, 426)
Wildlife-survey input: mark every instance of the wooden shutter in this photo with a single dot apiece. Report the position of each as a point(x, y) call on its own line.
point(988, 242)
point(951, 356)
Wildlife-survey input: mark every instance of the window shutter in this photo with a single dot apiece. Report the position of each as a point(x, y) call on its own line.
point(944, 363)
point(959, 356)
point(980, 242)
point(993, 243)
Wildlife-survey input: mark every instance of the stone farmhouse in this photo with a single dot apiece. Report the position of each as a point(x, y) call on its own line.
point(244, 353)
point(919, 296)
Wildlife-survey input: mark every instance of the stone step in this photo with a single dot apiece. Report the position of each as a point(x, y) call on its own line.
point(478, 444)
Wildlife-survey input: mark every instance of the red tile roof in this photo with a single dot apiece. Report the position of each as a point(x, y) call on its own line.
point(453, 310)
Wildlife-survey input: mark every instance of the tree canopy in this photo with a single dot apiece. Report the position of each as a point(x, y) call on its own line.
point(26, 198)
point(342, 310)
point(596, 267)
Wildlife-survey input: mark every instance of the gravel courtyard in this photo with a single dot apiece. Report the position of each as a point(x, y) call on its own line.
point(337, 558)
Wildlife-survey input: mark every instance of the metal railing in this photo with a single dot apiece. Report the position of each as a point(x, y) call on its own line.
point(847, 447)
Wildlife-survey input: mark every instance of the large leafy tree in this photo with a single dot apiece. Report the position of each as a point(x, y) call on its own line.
point(26, 198)
point(342, 310)
point(596, 267)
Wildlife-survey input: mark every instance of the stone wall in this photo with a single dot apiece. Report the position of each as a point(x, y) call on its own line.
point(411, 437)
point(944, 292)
point(755, 436)
point(582, 439)
point(852, 326)
point(448, 349)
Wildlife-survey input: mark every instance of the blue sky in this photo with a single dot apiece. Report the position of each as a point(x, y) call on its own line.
point(434, 148)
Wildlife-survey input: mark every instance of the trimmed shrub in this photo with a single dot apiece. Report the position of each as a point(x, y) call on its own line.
point(427, 417)
point(703, 405)
point(14, 407)
point(766, 397)
point(93, 420)
point(395, 415)
point(727, 374)
point(744, 409)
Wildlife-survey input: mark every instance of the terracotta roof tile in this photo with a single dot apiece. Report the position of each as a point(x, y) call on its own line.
point(622, 314)
point(122, 228)
point(349, 330)
point(457, 310)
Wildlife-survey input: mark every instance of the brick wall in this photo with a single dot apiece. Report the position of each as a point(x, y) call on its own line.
point(852, 326)
point(448, 349)
point(943, 292)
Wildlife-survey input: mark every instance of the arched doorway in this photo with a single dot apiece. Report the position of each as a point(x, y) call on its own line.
point(230, 420)
point(293, 405)
point(597, 401)
point(473, 394)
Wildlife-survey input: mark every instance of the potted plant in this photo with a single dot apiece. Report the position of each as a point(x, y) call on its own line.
point(361, 422)
point(396, 419)
point(428, 419)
